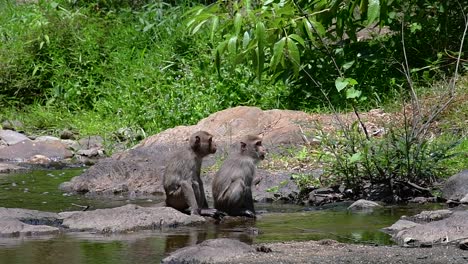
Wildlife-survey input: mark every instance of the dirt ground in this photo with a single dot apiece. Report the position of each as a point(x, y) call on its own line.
point(329, 251)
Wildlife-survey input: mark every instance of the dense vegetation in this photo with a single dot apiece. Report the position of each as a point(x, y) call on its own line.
point(97, 66)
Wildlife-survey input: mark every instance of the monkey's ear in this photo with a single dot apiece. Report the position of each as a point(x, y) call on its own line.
point(243, 146)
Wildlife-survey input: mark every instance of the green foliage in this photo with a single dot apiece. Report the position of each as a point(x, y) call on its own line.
point(309, 44)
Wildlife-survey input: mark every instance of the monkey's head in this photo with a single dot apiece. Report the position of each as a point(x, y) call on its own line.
point(202, 143)
point(252, 146)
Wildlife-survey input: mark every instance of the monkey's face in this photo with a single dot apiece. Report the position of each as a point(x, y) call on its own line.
point(212, 146)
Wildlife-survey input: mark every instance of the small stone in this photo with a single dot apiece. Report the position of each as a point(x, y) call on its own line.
point(67, 134)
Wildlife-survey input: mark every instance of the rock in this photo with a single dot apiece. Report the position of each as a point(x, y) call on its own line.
point(39, 159)
point(210, 251)
point(423, 200)
point(67, 134)
point(463, 244)
point(456, 187)
point(91, 142)
point(270, 187)
point(109, 175)
point(363, 205)
point(9, 168)
point(323, 196)
point(429, 216)
point(14, 221)
point(13, 125)
point(398, 226)
point(26, 149)
point(128, 218)
point(11, 137)
point(47, 138)
point(451, 228)
point(464, 200)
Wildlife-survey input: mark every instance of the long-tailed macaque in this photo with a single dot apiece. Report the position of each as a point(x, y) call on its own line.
point(182, 183)
point(232, 185)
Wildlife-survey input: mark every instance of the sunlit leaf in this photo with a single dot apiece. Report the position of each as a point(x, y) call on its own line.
point(197, 27)
point(232, 45)
point(214, 26)
point(278, 49)
point(341, 83)
point(352, 93)
point(238, 23)
point(246, 40)
point(373, 11)
point(356, 157)
point(348, 65)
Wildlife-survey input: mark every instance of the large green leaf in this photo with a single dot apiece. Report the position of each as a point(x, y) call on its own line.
point(293, 53)
point(232, 45)
point(352, 93)
point(373, 11)
point(341, 83)
point(238, 23)
point(278, 50)
point(246, 40)
point(214, 27)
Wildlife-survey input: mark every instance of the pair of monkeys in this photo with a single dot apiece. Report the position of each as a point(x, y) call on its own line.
point(231, 186)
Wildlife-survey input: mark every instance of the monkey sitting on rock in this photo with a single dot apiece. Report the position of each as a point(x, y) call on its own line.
point(232, 185)
point(182, 182)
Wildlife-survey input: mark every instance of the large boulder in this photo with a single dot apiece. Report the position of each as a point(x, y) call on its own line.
point(10, 137)
point(456, 187)
point(210, 251)
point(139, 169)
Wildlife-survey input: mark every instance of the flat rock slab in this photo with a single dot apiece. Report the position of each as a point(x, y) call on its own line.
point(26, 149)
point(127, 218)
point(210, 251)
point(447, 230)
point(19, 222)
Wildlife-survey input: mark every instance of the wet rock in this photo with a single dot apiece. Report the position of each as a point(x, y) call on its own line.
point(423, 200)
point(448, 229)
point(11, 137)
point(464, 200)
point(210, 251)
point(128, 218)
point(363, 205)
point(456, 187)
point(26, 149)
point(19, 222)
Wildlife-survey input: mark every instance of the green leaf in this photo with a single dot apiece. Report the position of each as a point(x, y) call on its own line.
point(356, 157)
point(293, 53)
point(232, 45)
point(373, 11)
point(415, 27)
point(197, 27)
point(237, 23)
point(246, 40)
point(214, 26)
point(352, 93)
point(298, 39)
point(341, 83)
point(348, 65)
point(278, 49)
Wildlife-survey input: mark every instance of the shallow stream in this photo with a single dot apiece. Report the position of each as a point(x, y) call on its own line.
point(277, 222)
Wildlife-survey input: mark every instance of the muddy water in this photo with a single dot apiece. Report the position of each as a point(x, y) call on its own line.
point(38, 190)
